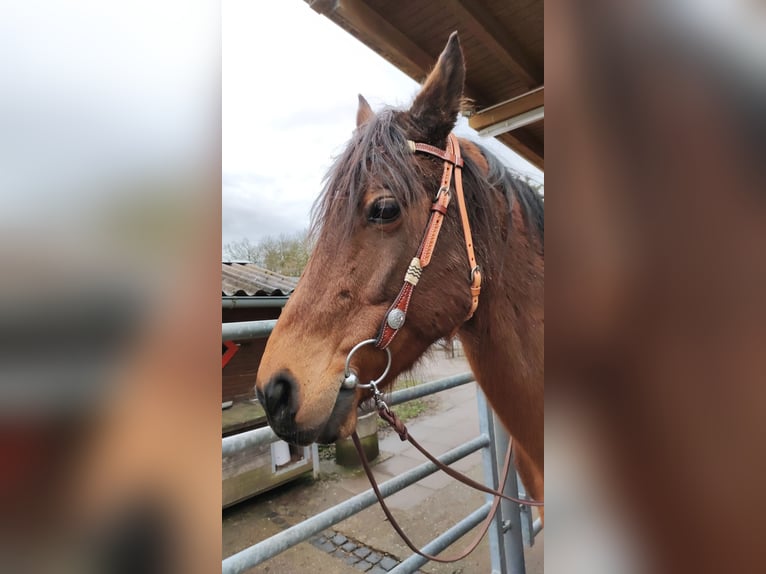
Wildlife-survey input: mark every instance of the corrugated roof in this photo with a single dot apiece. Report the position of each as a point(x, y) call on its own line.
point(247, 279)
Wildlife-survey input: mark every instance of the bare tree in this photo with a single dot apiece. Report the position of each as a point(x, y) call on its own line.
point(241, 250)
point(286, 254)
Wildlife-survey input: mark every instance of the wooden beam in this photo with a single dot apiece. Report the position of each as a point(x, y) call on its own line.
point(526, 145)
point(485, 27)
point(508, 109)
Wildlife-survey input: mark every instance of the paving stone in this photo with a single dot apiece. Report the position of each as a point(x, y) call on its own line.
point(338, 553)
point(351, 559)
point(326, 547)
point(339, 539)
point(363, 565)
point(318, 541)
point(377, 570)
point(374, 558)
point(387, 563)
point(349, 546)
point(362, 552)
point(328, 533)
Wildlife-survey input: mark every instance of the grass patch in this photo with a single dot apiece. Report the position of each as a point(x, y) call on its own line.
point(409, 410)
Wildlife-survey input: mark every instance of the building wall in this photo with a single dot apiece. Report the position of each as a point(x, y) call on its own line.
point(238, 382)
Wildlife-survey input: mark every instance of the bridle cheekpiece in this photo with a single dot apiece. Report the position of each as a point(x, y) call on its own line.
point(394, 318)
point(396, 315)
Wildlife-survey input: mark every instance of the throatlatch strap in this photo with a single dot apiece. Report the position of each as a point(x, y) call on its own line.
point(475, 272)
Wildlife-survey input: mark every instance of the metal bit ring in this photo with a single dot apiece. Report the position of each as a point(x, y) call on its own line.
point(348, 373)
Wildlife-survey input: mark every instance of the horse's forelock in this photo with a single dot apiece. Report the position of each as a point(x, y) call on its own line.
point(377, 154)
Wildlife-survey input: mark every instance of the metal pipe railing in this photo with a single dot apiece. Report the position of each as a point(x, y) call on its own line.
point(277, 544)
point(505, 541)
point(425, 389)
point(280, 542)
point(269, 302)
point(264, 436)
point(252, 438)
point(244, 330)
point(444, 540)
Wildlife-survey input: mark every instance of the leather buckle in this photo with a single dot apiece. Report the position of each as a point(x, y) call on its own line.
point(443, 190)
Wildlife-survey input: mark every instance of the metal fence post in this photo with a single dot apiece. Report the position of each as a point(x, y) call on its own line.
point(505, 540)
point(527, 527)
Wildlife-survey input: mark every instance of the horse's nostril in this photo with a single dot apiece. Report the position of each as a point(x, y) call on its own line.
point(279, 394)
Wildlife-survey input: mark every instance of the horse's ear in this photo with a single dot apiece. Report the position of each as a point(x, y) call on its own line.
point(364, 113)
point(435, 108)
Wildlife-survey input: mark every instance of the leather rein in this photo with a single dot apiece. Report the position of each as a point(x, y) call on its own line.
point(394, 320)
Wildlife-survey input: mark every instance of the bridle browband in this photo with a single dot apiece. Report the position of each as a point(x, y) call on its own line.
point(394, 320)
point(453, 164)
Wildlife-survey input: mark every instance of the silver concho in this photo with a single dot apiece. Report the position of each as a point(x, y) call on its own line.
point(395, 319)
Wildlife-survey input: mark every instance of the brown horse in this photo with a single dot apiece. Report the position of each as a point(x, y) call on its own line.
point(369, 222)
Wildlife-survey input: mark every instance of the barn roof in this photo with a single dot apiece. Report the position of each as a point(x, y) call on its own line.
point(247, 279)
point(503, 46)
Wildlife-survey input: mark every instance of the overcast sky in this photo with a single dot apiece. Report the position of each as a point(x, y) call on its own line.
point(290, 85)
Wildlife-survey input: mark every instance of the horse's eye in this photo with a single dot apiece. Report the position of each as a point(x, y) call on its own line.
point(384, 210)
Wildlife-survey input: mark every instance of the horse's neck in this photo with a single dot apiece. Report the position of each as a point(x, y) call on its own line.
point(509, 372)
point(504, 343)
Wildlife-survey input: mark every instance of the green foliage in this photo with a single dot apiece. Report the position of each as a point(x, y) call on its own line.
point(411, 409)
point(286, 254)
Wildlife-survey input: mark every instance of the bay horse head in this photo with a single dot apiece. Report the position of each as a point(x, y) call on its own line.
point(369, 221)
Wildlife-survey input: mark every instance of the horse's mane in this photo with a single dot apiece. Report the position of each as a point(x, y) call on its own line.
point(378, 152)
point(515, 187)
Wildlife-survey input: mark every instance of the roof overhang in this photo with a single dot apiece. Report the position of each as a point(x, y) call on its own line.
point(502, 43)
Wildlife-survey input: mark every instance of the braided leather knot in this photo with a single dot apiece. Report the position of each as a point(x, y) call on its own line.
point(395, 422)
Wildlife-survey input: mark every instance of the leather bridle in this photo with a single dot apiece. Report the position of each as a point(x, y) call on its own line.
point(453, 164)
point(395, 316)
point(394, 320)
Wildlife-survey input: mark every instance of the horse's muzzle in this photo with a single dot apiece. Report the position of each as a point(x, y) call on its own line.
point(279, 398)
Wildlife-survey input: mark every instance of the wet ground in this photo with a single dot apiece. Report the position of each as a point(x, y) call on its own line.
point(366, 542)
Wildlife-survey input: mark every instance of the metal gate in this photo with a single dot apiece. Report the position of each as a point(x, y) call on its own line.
point(511, 528)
